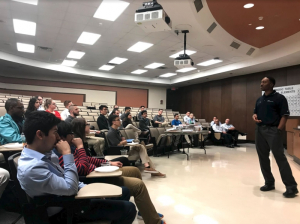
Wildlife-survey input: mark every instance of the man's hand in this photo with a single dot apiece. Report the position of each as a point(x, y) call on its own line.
point(224, 132)
point(124, 142)
point(97, 132)
point(63, 147)
point(116, 163)
point(78, 143)
point(254, 117)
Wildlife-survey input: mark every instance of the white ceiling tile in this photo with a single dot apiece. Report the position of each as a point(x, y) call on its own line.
point(121, 27)
point(4, 14)
point(91, 3)
point(24, 16)
point(21, 7)
point(42, 55)
point(137, 30)
point(45, 31)
point(77, 18)
point(57, 14)
point(72, 26)
point(52, 6)
point(26, 39)
point(49, 21)
point(80, 9)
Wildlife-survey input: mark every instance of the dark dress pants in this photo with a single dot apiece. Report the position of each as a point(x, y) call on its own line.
point(235, 134)
point(227, 138)
point(269, 138)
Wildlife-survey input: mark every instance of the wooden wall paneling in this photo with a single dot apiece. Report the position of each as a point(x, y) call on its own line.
point(205, 105)
point(226, 99)
point(196, 101)
point(293, 75)
point(238, 109)
point(253, 92)
point(279, 75)
point(215, 105)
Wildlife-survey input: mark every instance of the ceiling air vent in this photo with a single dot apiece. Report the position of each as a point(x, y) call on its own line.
point(251, 50)
point(235, 45)
point(212, 27)
point(198, 5)
point(45, 48)
point(162, 68)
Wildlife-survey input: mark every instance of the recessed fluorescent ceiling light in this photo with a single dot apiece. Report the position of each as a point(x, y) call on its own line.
point(188, 52)
point(186, 69)
point(88, 38)
point(29, 48)
point(31, 2)
point(118, 60)
point(139, 71)
point(260, 27)
point(24, 27)
point(249, 5)
point(154, 65)
point(106, 67)
point(69, 63)
point(110, 9)
point(140, 47)
point(210, 62)
point(76, 54)
point(167, 75)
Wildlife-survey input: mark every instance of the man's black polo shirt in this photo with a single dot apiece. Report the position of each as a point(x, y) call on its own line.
point(271, 108)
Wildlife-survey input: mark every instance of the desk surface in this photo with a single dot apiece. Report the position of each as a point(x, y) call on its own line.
point(114, 157)
point(186, 132)
point(3, 149)
point(99, 190)
point(95, 174)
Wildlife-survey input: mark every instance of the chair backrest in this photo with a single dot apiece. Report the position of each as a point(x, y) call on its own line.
point(13, 166)
point(88, 118)
point(93, 114)
point(2, 110)
point(161, 130)
point(94, 123)
point(202, 120)
point(123, 133)
point(130, 133)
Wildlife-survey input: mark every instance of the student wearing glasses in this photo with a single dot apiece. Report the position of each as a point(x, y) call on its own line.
point(11, 124)
point(50, 107)
point(40, 99)
point(115, 138)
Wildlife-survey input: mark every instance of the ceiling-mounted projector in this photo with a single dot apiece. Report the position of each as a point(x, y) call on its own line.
point(151, 17)
point(183, 61)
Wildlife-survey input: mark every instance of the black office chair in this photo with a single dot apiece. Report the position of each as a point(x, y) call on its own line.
point(34, 210)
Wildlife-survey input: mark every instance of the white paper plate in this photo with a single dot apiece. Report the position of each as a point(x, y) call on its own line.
point(106, 169)
point(13, 146)
point(132, 143)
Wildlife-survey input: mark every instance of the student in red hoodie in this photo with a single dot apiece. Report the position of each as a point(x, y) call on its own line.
point(131, 177)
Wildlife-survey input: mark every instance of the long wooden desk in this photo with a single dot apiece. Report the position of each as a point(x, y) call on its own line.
point(7, 152)
point(182, 133)
point(95, 174)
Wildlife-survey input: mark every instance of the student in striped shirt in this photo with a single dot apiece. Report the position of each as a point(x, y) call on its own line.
point(131, 176)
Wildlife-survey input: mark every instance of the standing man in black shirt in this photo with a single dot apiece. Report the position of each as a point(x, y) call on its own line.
point(102, 120)
point(270, 114)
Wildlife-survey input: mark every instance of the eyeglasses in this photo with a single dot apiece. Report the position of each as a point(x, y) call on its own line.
point(117, 120)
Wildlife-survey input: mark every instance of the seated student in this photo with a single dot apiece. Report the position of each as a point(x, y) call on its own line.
point(40, 99)
point(11, 124)
point(144, 123)
point(127, 110)
point(81, 129)
point(102, 120)
point(230, 129)
point(66, 112)
point(39, 173)
point(177, 122)
point(50, 107)
point(74, 112)
point(33, 105)
point(127, 124)
point(219, 129)
point(115, 138)
point(4, 179)
point(115, 112)
point(131, 176)
point(142, 108)
point(159, 119)
point(186, 118)
point(115, 107)
point(191, 119)
point(213, 122)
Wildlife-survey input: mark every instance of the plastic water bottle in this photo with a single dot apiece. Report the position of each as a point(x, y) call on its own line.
point(23, 139)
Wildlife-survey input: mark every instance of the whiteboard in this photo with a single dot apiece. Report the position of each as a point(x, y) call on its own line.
point(292, 94)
